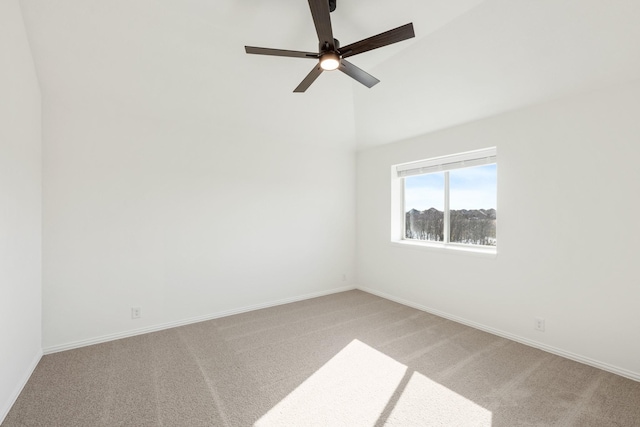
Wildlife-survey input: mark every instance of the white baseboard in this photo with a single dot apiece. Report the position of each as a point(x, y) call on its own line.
point(531, 343)
point(4, 411)
point(169, 325)
point(111, 337)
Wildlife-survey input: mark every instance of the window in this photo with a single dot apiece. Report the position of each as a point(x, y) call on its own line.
point(447, 201)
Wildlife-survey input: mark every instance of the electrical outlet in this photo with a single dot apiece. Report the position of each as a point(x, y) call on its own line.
point(539, 324)
point(135, 312)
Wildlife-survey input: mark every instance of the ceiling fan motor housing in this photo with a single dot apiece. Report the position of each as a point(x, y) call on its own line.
point(324, 47)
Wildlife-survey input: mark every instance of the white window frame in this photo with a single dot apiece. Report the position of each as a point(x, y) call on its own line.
point(444, 164)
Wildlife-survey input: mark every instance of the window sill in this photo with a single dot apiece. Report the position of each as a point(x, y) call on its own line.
point(489, 252)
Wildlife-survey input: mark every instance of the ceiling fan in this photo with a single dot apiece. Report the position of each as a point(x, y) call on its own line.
point(331, 55)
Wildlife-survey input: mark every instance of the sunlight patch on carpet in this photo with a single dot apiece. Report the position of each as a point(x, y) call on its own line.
point(426, 403)
point(352, 389)
point(356, 386)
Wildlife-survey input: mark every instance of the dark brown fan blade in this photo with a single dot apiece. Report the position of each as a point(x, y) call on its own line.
point(360, 75)
point(311, 77)
point(322, 20)
point(383, 39)
point(280, 52)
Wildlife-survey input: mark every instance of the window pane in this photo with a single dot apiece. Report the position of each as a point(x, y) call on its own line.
point(424, 207)
point(472, 205)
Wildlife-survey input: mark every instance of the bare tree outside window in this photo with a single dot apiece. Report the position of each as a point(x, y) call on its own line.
point(424, 207)
point(472, 193)
point(471, 206)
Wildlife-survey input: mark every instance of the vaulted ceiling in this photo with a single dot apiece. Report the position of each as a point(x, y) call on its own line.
point(178, 60)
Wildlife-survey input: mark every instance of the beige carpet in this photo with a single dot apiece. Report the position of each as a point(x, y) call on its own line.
point(349, 359)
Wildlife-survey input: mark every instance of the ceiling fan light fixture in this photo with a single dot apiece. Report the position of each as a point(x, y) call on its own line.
point(329, 61)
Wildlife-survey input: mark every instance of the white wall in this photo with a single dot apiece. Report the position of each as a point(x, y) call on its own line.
point(20, 208)
point(187, 219)
point(568, 229)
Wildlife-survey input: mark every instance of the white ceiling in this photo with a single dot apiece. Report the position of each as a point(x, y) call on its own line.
point(501, 55)
point(185, 59)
